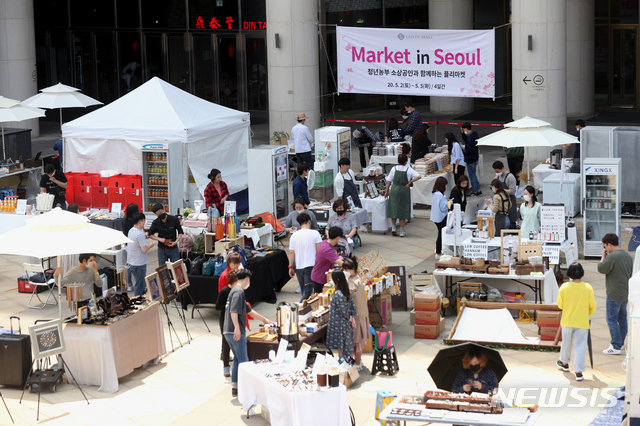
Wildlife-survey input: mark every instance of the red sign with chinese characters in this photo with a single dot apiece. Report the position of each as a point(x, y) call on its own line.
point(214, 24)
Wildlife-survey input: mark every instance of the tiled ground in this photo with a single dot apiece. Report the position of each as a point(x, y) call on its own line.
point(187, 387)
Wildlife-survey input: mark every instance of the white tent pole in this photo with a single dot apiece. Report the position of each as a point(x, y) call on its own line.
point(59, 284)
point(60, 120)
point(528, 169)
point(4, 151)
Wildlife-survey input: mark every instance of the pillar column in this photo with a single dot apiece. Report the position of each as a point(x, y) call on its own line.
point(580, 58)
point(540, 74)
point(293, 68)
point(450, 15)
point(18, 56)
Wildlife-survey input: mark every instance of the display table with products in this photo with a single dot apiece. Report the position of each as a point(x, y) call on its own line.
point(494, 245)
point(260, 236)
point(378, 209)
point(291, 408)
point(260, 349)
point(98, 355)
point(423, 187)
point(270, 274)
point(544, 287)
point(113, 224)
point(543, 171)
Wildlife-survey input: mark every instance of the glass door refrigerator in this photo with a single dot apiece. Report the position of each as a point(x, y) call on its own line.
point(269, 180)
point(601, 194)
point(162, 177)
point(334, 142)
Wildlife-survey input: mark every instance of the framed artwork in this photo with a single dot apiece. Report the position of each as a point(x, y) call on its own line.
point(372, 190)
point(153, 287)
point(47, 339)
point(167, 289)
point(179, 273)
point(229, 207)
point(509, 246)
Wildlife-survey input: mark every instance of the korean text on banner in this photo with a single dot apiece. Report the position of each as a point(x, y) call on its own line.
point(457, 63)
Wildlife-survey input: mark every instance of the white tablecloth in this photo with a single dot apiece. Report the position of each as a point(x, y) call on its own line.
point(330, 407)
point(11, 221)
point(383, 159)
point(423, 187)
point(541, 172)
point(549, 293)
point(99, 355)
point(378, 209)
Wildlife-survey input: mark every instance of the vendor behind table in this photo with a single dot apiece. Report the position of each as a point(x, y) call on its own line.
point(345, 221)
point(395, 133)
point(420, 143)
point(54, 182)
point(364, 138)
point(459, 193)
point(291, 224)
point(344, 184)
point(169, 233)
point(216, 192)
point(475, 376)
point(86, 273)
point(530, 213)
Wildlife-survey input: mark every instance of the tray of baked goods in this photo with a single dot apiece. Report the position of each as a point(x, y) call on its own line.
point(474, 402)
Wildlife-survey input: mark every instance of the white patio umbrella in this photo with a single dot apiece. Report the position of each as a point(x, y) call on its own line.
point(60, 96)
point(527, 132)
point(57, 233)
point(12, 110)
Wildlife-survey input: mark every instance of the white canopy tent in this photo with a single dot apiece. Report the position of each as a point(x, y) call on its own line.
point(111, 137)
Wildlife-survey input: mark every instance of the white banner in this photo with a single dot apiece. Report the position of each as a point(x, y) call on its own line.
point(458, 63)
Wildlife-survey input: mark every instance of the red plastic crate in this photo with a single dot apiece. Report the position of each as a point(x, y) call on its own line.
point(126, 181)
point(76, 179)
point(100, 197)
point(134, 196)
point(118, 195)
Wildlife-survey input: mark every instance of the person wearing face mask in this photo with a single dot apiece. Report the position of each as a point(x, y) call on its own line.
point(326, 257)
point(459, 193)
point(575, 167)
point(291, 224)
point(302, 254)
point(54, 182)
point(420, 143)
point(395, 133)
point(166, 227)
point(345, 221)
point(439, 210)
point(405, 119)
point(457, 156)
point(235, 323)
point(344, 184)
point(500, 206)
point(475, 375)
point(398, 191)
point(509, 185)
point(415, 120)
point(530, 213)
point(471, 156)
point(361, 333)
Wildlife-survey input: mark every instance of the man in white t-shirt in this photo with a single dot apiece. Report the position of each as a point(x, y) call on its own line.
point(302, 253)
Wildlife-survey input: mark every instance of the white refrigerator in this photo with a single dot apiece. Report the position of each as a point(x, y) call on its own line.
point(268, 180)
point(162, 178)
point(571, 195)
point(601, 194)
point(333, 142)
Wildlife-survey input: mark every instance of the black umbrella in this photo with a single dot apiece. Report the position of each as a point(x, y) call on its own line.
point(447, 364)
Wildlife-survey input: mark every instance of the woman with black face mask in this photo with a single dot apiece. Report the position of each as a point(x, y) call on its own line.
point(475, 376)
point(345, 221)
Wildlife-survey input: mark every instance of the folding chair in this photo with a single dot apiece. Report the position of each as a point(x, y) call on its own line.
point(32, 269)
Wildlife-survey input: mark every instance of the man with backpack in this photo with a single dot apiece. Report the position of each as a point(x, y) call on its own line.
point(509, 184)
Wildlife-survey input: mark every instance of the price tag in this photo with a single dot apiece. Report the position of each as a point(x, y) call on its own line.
point(116, 207)
point(552, 220)
point(553, 253)
point(476, 250)
point(568, 254)
point(21, 208)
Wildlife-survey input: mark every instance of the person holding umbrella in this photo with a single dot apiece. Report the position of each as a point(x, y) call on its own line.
point(475, 375)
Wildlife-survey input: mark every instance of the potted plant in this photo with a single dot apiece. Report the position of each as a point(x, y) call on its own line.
point(280, 138)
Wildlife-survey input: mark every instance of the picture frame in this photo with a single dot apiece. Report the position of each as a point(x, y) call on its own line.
point(47, 339)
point(509, 246)
point(153, 287)
point(229, 207)
point(372, 190)
point(167, 288)
point(83, 314)
point(180, 277)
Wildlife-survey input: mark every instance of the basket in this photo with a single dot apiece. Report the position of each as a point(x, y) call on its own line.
point(373, 263)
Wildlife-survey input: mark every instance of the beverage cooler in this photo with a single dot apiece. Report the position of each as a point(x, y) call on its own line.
point(162, 177)
point(601, 193)
point(268, 180)
point(339, 141)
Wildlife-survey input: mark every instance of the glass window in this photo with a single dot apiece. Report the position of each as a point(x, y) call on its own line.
point(488, 12)
point(407, 16)
point(41, 59)
point(131, 70)
point(602, 65)
point(153, 56)
point(106, 66)
point(624, 12)
point(228, 71)
point(83, 63)
point(602, 11)
point(363, 14)
point(256, 73)
point(128, 14)
point(50, 13)
point(254, 14)
point(59, 57)
point(95, 13)
point(164, 14)
point(178, 62)
point(203, 68)
point(214, 14)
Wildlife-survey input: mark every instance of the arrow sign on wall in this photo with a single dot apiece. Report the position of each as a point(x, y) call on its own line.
point(524, 80)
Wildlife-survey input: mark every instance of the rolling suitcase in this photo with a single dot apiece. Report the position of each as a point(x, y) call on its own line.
point(15, 357)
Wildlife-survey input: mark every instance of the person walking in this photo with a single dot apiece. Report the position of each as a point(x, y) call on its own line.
point(300, 188)
point(500, 206)
point(342, 317)
point(577, 301)
point(617, 265)
point(364, 138)
point(439, 210)
point(137, 258)
point(302, 141)
point(326, 257)
point(361, 333)
point(235, 324)
point(398, 191)
point(221, 303)
point(471, 156)
point(415, 120)
point(509, 185)
point(303, 246)
point(457, 156)
point(515, 157)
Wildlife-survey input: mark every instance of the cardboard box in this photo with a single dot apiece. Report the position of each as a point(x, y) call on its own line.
point(549, 318)
point(427, 317)
point(412, 317)
point(426, 302)
point(368, 348)
point(383, 303)
point(348, 377)
point(222, 245)
point(428, 331)
point(549, 333)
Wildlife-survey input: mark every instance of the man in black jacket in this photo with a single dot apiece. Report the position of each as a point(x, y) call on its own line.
point(364, 138)
point(471, 156)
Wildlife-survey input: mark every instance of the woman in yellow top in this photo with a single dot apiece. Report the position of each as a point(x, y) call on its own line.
point(577, 302)
point(501, 205)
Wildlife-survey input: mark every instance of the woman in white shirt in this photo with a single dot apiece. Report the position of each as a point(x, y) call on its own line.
point(439, 210)
point(399, 193)
point(530, 213)
point(457, 156)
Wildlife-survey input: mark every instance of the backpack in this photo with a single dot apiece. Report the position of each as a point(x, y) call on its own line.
point(198, 244)
point(243, 255)
point(186, 243)
point(209, 267)
point(196, 265)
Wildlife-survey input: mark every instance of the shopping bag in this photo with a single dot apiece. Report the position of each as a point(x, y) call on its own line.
point(209, 267)
point(386, 336)
point(219, 267)
point(243, 255)
point(196, 265)
point(198, 244)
